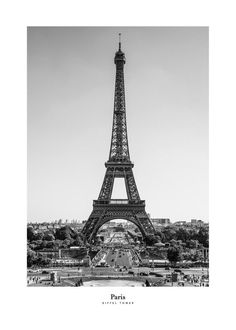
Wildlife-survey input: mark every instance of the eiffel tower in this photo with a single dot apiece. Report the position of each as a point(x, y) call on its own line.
point(119, 166)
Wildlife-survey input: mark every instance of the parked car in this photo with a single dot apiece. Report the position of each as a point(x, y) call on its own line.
point(178, 271)
point(159, 275)
point(143, 274)
point(45, 272)
point(33, 271)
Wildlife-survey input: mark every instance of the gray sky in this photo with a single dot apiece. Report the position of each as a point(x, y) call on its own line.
point(71, 78)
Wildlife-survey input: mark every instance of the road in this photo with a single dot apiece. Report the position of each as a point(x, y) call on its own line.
point(119, 257)
point(116, 252)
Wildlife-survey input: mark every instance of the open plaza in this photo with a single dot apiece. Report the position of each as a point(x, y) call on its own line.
point(141, 276)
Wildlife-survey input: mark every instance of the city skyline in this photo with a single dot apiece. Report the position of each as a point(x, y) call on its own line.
point(80, 221)
point(70, 109)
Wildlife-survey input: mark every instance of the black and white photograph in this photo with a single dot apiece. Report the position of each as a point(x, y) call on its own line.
point(134, 99)
point(117, 164)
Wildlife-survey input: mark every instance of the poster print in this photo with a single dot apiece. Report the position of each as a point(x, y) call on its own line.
point(136, 98)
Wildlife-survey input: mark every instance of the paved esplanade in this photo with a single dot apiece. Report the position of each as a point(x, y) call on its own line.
point(117, 253)
point(119, 257)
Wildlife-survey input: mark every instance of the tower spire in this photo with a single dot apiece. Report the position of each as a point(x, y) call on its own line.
point(119, 150)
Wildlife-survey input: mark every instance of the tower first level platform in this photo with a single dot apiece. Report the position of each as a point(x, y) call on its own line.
point(107, 210)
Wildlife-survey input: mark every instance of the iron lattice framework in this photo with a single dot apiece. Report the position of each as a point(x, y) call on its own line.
point(119, 166)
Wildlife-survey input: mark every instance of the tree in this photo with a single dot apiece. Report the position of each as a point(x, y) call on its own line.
point(192, 244)
point(39, 236)
point(49, 237)
point(173, 242)
point(169, 233)
point(65, 232)
point(31, 257)
point(151, 240)
point(203, 236)
point(174, 254)
point(31, 234)
point(37, 244)
point(50, 244)
point(67, 242)
point(43, 245)
point(182, 234)
point(186, 255)
point(78, 240)
point(160, 235)
point(58, 244)
point(42, 260)
point(196, 256)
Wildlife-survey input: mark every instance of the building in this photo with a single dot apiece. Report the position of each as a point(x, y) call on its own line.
point(204, 254)
point(160, 222)
point(180, 223)
point(198, 223)
point(48, 253)
point(73, 252)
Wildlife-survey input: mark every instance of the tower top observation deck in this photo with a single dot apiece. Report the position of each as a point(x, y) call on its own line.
point(119, 56)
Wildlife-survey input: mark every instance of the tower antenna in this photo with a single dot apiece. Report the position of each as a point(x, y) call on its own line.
point(119, 41)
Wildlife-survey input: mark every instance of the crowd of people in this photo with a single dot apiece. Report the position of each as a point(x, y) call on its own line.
point(79, 283)
point(197, 280)
point(33, 279)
